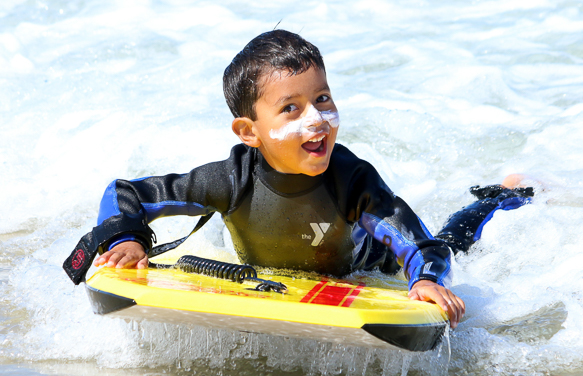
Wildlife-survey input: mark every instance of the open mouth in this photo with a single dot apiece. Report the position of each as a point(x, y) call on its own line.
point(316, 146)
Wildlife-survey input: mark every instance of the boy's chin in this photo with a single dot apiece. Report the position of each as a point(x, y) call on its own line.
point(316, 169)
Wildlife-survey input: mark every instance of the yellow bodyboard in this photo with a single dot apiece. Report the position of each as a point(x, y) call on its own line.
point(329, 308)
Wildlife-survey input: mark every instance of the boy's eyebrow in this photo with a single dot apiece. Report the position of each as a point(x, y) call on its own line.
point(285, 98)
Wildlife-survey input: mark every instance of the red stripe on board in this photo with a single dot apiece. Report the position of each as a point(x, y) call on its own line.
point(353, 295)
point(332, 295)
point(313, 292)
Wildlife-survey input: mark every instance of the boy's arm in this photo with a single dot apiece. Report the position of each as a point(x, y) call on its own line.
point(143, 201)
point(422, 257)
point(426, 261)
point(364, 198)
point(140, 202)
point(367, 200)
point(208, 188)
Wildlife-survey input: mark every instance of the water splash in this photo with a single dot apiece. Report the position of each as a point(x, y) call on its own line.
point(438, 96)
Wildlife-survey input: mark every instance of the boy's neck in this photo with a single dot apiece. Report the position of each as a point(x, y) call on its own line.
point(285, 183)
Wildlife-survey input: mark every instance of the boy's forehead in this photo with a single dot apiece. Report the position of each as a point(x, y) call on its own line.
point(282, 84)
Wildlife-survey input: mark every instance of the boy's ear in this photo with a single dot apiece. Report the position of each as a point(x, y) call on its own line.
point(243, 128)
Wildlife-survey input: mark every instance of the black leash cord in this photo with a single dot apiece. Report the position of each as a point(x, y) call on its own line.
point(224, 270)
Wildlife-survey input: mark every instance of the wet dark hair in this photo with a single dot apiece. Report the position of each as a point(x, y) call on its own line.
point(276, 50)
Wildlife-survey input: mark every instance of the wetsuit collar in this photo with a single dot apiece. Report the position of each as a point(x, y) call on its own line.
point(288, 184)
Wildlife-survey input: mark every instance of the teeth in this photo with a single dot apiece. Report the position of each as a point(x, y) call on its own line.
point(317, 139)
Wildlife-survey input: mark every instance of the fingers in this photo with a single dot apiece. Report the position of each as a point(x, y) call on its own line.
point(124, 255)
point(446, 299)
point(104, 258)
point(454, 307)
point(413, 295)
point(115, 258)
point(125, 261)
point(143, 263)
point(131, 260)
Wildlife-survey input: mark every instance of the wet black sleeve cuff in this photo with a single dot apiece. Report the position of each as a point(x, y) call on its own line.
point(96, 241)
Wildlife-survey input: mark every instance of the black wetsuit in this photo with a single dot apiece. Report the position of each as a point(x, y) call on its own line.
point(280, 220)
point(340, 221)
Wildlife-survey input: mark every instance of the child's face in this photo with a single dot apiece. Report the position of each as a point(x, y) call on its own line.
point(297, 122)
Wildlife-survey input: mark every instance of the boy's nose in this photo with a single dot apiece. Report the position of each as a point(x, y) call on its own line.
point(313, 117)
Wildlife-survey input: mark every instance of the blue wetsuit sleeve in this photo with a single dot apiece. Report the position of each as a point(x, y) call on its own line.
point(151, 198)
point(206, 189)
point(509, 203)
point(420, 255)
point(146, 200)
point(367, 201)
point(464, 227)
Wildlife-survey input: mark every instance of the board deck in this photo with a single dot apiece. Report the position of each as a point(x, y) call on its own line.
point(358, 312)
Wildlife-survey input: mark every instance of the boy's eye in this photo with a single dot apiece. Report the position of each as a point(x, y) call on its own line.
point(323, 98)
point(289, 108)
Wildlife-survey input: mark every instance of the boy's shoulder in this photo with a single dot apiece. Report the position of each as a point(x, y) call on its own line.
point(241, 150)
point(240, 160)
point(344, 160)
point(354, 181)
point(351, 172)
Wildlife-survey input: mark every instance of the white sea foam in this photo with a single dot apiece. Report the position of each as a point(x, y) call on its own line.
point(439, 96)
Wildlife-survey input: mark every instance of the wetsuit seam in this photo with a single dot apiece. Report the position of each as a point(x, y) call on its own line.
point(247, 191)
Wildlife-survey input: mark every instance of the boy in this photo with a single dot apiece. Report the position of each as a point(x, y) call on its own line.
point(289, 195)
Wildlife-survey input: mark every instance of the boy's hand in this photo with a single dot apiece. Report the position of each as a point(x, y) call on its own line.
point(124, 255)
point(432, 292)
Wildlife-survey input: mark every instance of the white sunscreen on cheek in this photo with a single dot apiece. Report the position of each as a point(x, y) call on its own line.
point(314, 122)
point(331, 117)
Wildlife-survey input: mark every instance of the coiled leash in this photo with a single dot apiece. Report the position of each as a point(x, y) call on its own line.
point(224, 270)
point(213, 268)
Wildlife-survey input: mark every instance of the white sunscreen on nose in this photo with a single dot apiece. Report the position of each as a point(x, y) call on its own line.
point(314, 122)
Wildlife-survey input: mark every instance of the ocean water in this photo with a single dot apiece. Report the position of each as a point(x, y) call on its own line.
point(438, 95)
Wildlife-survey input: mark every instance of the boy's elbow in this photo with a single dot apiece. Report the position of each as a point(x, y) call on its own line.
point(108, 206)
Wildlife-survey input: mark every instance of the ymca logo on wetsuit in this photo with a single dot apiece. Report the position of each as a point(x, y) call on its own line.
point(319, 231)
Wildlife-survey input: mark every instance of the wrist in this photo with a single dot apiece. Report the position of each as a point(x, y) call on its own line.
point(423, 282)
point(127, 238)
